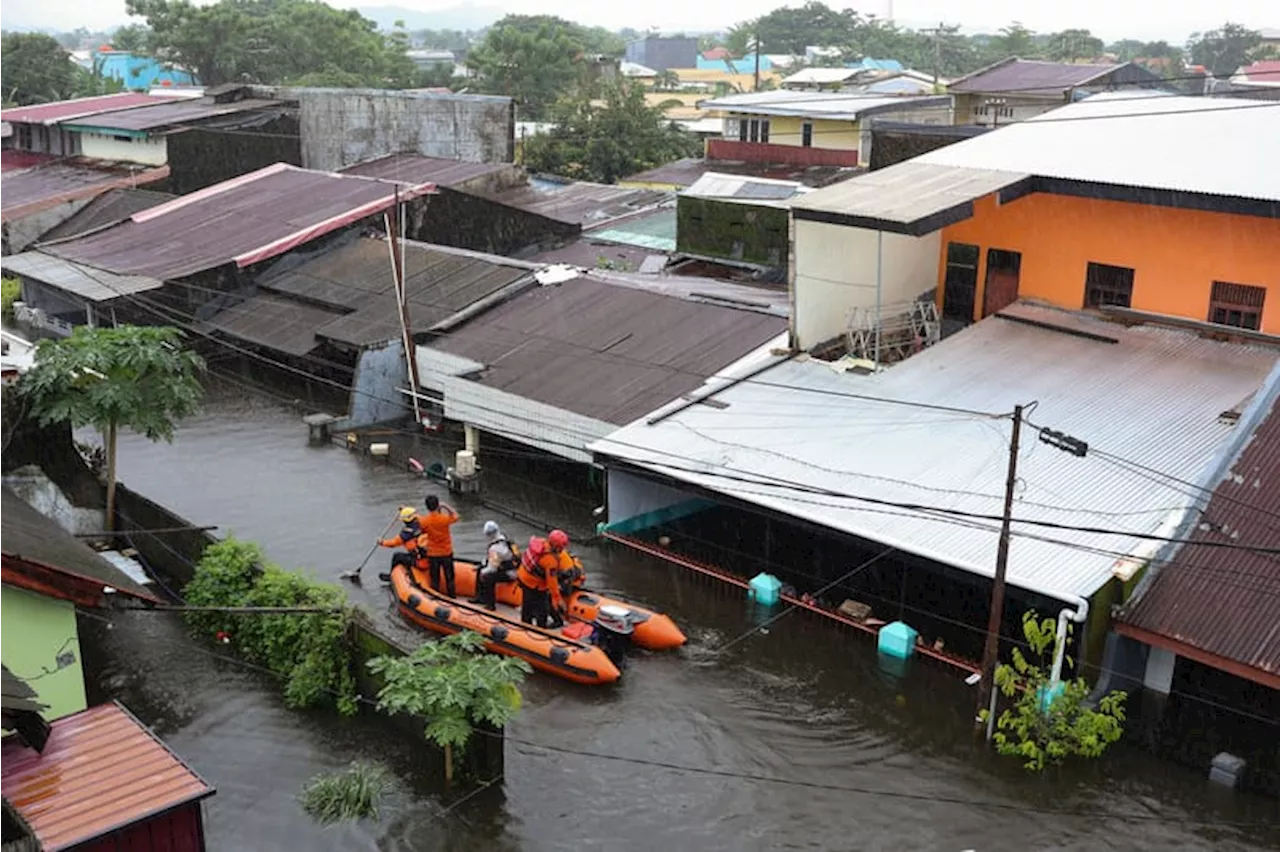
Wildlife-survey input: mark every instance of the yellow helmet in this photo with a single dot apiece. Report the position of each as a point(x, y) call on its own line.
point(408, 513)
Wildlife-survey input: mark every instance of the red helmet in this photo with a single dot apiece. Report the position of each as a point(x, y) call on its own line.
point(558, 539)
point(537, 545)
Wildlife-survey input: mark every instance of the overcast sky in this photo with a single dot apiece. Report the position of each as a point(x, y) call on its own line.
point(1110, 19)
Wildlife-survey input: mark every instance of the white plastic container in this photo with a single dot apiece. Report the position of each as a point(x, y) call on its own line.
point(464, 463)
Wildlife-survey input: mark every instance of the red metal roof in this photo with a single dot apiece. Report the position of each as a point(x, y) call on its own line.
point(11, 159)
point(1266, 71)
point(101, 770)
point(79, 108)
point(1221, 601)
point(243, 221)
point(29, 191)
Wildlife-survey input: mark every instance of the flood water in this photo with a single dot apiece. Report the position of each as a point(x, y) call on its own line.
point(888, 762)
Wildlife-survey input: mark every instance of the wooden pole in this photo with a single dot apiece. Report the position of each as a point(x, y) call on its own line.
point(395, 241)
point(110, 521)
point(991, 651)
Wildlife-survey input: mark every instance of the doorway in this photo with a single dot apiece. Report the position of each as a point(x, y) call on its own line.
point(960, 287)
point(1001, 288)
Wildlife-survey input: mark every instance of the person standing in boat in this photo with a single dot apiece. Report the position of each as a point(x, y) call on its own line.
point(569, 574)
point(407, 538)
point(500, 566)
point(435, 526)
point(535, 582)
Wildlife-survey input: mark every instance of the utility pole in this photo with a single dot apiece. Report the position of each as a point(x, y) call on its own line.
point(757, 53)
point(936, 32)
point(991, 652)
point(395, 242)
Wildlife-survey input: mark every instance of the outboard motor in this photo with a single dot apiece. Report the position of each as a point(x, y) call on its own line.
point(613, 632)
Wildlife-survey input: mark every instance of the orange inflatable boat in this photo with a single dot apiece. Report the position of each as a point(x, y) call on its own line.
point(544, 649)
point(653, 630)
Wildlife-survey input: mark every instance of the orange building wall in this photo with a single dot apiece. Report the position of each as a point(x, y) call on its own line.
point(1176, 254)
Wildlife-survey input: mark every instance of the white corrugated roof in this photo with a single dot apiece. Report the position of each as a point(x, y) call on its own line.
point(1154, 397)
point(821, 76)
point(1139, 139)
point(831, 105)
point(744, 187)
point(95, 285)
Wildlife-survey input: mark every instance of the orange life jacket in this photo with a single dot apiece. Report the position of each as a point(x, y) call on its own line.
point(533, 571)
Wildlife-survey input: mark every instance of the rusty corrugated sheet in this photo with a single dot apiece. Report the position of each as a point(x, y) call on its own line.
point(244, 220)
point(1029, 77)
point(112, 206)
point(1223, 601)
point(687, 172)
point(79, 108)
point(606, 351)
point(415, 169)
point(101, 770)
point(168, 113)
point(576, 202)
point(29, 191)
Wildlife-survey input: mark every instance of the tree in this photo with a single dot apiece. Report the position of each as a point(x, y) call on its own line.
point(36, 69)
point(1015, 40)
point(131, 37)
point(455, 685)
point(1223, 51)
point(791, 30)
point(534, 59)
point(1070, 45)
point(608, 141)
point(274, 42)
point(131, 377)
point(1046, 728)
point(1127, 49)
point(668, 80)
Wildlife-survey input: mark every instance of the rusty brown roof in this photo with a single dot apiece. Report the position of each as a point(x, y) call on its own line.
point(24, 192)
point(576, 202)
point(114, 205)
point(101, 770)
point(161, 116)
point(1222, 601)
point(243, 221)
point(607, 351)
point(415, 168)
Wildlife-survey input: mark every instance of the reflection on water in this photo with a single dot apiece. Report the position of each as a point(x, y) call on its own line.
point(883, 758)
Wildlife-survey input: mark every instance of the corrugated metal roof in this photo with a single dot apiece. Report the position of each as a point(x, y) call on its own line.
point(829, 105)
point(352, 284)
point(29, 535)
point(1154, 397)
point(244, 221)
point(605, 351)
point(1032, 76)
point(170, 113)
point(278, 322)
point(80, 107)
point(686, 172)
point(914, 197)
point(1227, 602)
point(655, 230)
point(416, 169)
point(114, 205)
point(1129, 140)
point(101, 770)
point(576, 202)
point(819, 76)
point(720, 185)
point(28, 191)
point(81, 281)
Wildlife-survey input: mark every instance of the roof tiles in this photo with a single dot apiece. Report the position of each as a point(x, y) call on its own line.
point(101, 770)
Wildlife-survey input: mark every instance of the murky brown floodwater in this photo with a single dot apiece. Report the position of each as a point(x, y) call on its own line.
point(805, 702)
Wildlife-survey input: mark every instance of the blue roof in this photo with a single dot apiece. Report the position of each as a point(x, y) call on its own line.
point(140, 72)
point(745, 65)
point(869, 64)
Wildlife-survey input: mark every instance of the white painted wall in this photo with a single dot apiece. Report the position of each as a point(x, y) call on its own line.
point(835, 272)
point(151, 151)
point(1159, 674)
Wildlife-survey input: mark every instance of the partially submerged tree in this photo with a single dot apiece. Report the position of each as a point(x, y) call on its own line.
point(130, 377)
point(1049, 723)
point(455, 685)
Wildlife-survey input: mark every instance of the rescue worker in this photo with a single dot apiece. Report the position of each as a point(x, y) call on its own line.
point(408, 537)
point(500, 566)
point(568, 573)
point(534, 586)
point(439, 542)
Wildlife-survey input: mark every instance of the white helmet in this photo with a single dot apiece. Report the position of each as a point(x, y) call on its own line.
point(491, 529)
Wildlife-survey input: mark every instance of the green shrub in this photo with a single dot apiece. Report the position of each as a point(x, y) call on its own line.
point(354, 793)
point(310, 651)
point(10, 292)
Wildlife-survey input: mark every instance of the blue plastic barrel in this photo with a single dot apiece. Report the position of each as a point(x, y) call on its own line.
point(765, 589)
point(897, 640)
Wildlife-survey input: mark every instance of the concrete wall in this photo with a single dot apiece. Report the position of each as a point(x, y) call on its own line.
point(153, 151)
point(466, 221)
point(835, 272)
point(204, 156)
point(32, 485)
point(340, 127)
point(376, 398)
point(636, 503)
point(731, 230)
point(36, 629)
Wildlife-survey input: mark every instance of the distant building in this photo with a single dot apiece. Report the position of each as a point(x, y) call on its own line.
point(139, 73)
point(663, 53)
point(425, 59)
point(1017, 89)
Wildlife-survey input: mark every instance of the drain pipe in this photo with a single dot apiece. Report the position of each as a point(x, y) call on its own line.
point(1079, 615)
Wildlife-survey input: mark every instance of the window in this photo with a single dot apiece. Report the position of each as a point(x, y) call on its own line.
point(764, 130)
point(24, 137)
point(806, 134)
point(1108, 285)
point(753, 130)
point(1239, 305)
point(743, 125)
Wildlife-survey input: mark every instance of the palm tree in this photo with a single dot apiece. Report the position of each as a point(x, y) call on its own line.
point(667, 79)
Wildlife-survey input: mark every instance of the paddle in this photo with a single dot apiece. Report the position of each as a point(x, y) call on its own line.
point(354, 576)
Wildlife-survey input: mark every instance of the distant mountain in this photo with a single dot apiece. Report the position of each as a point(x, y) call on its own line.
point(464, 16)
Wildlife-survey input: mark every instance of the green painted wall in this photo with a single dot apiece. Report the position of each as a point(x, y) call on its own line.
point(733, 231)
point(34, 629)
